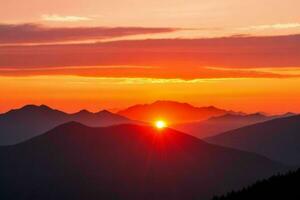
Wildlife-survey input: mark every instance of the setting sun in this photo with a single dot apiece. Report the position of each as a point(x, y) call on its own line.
point(160, 124)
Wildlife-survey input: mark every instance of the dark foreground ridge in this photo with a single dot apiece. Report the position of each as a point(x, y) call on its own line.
point(277, 187)
point(124, 162)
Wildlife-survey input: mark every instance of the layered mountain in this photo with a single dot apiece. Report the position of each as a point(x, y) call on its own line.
point(77, 162)
point(220, 124)
point(283, 186)
point(172, 111)
point(278, 139)
point(31, 120)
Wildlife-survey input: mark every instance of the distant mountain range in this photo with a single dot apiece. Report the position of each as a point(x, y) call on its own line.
point(277, 139)
point(174, 112)
point(31, 120)
point(227, 122)
point(77, 162)
point(277, 187)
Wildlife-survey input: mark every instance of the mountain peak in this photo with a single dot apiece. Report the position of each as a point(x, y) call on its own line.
point(257, 114)
point(172, 111)
point(210, 107)
point(104, 111)
point(170, 102)
point(83, 112)
point(44, 106)
point(288, 114)
point(71, 124)
point(31, 108)
point(225, 116)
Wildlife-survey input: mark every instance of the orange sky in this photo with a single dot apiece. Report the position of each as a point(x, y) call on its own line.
point(71, 93)
point(95, 54)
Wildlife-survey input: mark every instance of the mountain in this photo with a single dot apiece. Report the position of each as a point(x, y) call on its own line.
point(101, 118)
point(77, 162)
point(173, 112)
point(220, 124)
point(31, 120)
point(278, 139)
point(277, 187)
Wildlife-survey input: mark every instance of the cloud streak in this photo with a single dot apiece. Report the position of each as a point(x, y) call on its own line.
point(35, 33)
point(273, 26)
point(61, 18)
point(148, 72)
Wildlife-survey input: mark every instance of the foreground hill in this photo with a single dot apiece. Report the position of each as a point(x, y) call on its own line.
point(130, 162)
point(29, 121)
point(278, 139)
point(277, 187)
point(172, 111)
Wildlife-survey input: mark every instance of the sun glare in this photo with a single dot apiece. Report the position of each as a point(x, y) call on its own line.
point(160, 124)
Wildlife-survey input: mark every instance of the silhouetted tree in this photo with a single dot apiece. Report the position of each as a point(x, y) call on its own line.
point(280, 186)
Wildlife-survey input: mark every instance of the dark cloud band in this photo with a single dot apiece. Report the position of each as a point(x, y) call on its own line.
point(34, 33)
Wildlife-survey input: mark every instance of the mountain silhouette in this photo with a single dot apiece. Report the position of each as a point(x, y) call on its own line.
point(220, 124)
point(284, 186)
point(278, 139)
point(77, 162)
point(31, 120)
point(216, 125)
point(172, 111)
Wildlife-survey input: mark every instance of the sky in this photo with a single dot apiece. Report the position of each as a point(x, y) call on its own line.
point(94, 54)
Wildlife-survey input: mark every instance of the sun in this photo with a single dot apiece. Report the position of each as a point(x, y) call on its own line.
point(160, 124)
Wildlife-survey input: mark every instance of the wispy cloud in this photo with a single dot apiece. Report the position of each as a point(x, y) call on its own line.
point(155, 74)
point(36, 33)
point(273, 26)
point(62, 18)
point(173, 54)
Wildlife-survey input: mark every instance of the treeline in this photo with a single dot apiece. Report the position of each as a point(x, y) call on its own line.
point(281, 186)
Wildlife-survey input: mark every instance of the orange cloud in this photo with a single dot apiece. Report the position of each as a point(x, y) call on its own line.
point(149, 72)
point(164, 58)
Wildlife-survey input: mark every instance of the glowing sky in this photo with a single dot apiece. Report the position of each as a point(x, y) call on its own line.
point(94, 54)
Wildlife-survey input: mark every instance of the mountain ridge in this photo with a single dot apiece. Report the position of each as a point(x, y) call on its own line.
point(173, 111)
point(227, 122)
point(124, 162)
point(20, 124)
point(277, 139)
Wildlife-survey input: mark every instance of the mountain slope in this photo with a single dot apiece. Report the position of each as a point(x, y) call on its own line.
point(220, 124)
point(277, 187)
point(278, 139)
point(172, 111)
point(77, 162)
point(29, 121)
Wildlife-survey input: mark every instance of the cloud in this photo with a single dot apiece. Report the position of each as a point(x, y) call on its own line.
point(245, 52)
point(60, 18)
point(150, 72)
point(188, 59)
point(35, 33)
point(273, 26)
